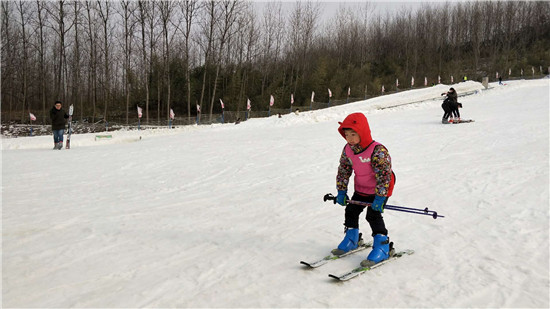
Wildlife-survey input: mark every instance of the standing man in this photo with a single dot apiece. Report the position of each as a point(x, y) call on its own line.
point(58, 116)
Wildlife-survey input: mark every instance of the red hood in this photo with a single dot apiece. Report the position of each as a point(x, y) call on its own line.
point(358, 123)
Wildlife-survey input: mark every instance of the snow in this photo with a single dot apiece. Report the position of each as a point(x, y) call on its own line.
point(221, 215)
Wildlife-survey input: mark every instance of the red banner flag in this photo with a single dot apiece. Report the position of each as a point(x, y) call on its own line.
point(172, 115)
point(271, 101)
point(139, 111)
point(248, 106)
point(33, 118)
point(221, 102)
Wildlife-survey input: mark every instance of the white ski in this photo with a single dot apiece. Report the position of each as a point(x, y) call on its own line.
point(361, 270)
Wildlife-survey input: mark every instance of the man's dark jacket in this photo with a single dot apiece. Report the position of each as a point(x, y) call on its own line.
point(58, 118)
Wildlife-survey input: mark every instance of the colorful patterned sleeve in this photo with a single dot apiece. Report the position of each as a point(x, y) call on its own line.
point(381, 165)
point(344, 172)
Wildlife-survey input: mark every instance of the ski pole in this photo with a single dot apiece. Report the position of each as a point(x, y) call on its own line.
point(425, 211)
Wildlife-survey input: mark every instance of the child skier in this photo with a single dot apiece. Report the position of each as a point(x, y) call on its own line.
point(455, 112)
point(374, 181)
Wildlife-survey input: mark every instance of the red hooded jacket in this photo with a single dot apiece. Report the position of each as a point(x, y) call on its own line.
point(358, 123)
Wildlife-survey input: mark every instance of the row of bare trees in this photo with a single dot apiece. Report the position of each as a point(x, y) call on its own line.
point(107, 57)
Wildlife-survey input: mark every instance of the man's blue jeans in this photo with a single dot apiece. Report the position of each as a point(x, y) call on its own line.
point(58, 135)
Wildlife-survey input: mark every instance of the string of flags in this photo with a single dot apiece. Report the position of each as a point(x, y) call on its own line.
point(330, 94)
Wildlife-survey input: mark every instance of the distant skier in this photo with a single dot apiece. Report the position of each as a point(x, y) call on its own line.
point(374, 181)
point(58, 116)
point(450, 105)
point(500, 80)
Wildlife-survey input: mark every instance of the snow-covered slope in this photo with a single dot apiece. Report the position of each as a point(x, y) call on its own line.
point(221, 215)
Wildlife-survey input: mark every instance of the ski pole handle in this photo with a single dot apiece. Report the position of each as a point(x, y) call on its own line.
point(329, 197)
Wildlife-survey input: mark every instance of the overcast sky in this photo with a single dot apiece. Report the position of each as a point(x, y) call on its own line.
point(330, 8)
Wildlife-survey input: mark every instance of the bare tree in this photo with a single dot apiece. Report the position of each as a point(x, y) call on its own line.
point(365, 12)
point(207, 27)
point(104, 11)
point(273, 25)
point(24, 18)
point(476, 31)
point(142, 17)
point(41, 48)
point(77, 89)
point(443, 36)
point(60, 16)
point(166, 12)
point(189, 10)
point(303, 22)
point(9, 52)
point(92, 57)
point(246, 49)
point(128, 25)
point(230, 12)
point(147, 21)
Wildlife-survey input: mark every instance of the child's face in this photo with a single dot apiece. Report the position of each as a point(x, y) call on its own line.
point(352, 137)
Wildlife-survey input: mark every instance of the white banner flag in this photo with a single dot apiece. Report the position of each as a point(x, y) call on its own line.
point(383, 89)
point(349, 91)
point(312, 95)
point(452, 79)
point(198, 108)
point(291, 98)
point(329, 93)
point(33, 118)
point(412, 81)
point(221, 102)
point(172, 115)
point(271, 100)
point(397, 83)
point(425, 81)
point(248, 106)
point(139, 110)
point(438, 79)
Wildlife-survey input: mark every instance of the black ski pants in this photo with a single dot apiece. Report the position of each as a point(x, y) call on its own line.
point(456, 113)
point(447, 109)
point(374, 218)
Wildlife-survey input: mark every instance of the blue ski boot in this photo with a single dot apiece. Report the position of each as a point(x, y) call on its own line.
point(381, 250)
point(351, 241)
